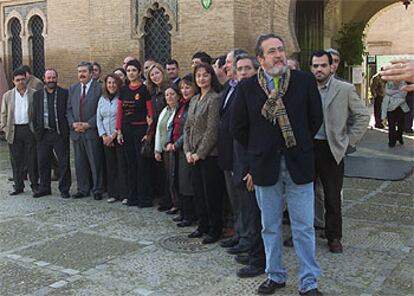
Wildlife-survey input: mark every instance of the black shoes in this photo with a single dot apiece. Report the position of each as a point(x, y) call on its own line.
point(16, 192)
point(249, 271)
point(38, 194)
point(80, 195)
point(97, 196)
point(209, 239)
point(184, 223)
point(242, 259)
point(313, 292)
point(172, 211)
point(335, 246)
point(65, 195)
point(195, 234)
point(163, 208)
point(237, 250)
point(269, 287)
point(228, 243)
point(178, 219)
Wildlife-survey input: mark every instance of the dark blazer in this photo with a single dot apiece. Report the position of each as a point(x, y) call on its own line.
point(264, 141)
point(38, 112)
point(90, 105)
point(225, 138)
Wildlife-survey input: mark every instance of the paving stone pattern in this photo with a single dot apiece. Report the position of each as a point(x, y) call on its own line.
point(52, 246)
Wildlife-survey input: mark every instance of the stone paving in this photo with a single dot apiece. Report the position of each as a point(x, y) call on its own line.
point(53, 246)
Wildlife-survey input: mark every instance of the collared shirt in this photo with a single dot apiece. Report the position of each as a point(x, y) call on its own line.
point(323, 91)
point(270, 81)
point(49, 116)
point(233, 84)
point(106, 116)
point(21, 108)
point(88, 85)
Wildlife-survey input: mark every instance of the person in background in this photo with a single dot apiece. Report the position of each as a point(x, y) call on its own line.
point(200, 57)
point(120, 72)
point(173, 71)
point(116, 168)
point(32, 81)
point(377, 91)
point(219, 66)
point(293, 64)
point(96, 72)
point(200, 147)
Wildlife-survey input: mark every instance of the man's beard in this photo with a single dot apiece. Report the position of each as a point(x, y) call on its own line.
point(51, 85)
point(277, 70)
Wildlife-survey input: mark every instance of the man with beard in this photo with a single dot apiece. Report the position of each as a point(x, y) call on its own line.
point(340, 103)
point(52, 133)
point(81, 114)
point(276, 114)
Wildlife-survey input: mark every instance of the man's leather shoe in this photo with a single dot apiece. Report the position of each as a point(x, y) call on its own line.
point(97, 196)
point(178, 219)
point(209, 239)
point(335, 246)
point(37, 194)
point(11, 179)
point(184, 223)
point(65, 195)
point(242, 259)
point(249, 271)
point(195, 234)
point(269, 287)
point(80, 195)
point(288, 242)
point(16, 192)
point(313, 292)
point(228, 243)
point(237, 250)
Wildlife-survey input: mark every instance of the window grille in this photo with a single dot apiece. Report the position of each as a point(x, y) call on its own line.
point(38, 48)
point(16, 43)
point(157, 36)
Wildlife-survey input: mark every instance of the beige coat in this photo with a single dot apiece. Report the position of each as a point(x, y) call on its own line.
point(345, 116)
point(201, 127)
point(7, 113)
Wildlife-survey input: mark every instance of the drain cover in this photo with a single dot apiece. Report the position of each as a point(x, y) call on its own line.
point(180, 243)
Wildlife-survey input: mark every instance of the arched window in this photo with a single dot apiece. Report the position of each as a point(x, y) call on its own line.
point(157, 35)
point(37, 46)
point(16, 43)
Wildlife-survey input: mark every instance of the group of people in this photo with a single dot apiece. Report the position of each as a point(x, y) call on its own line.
point(251, 132)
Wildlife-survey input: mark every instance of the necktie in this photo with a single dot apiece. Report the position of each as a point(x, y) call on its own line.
point(276, 82)
point(82, 97)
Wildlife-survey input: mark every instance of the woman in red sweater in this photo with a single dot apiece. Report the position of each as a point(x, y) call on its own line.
point(134, 110)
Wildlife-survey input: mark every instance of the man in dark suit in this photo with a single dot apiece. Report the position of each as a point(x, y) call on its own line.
point(275, 116)
point(81, 113)
point(173, 72)
point(52, 133)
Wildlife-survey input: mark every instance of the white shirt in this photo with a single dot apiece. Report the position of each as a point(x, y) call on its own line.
point(21, 108)
point(88, 85)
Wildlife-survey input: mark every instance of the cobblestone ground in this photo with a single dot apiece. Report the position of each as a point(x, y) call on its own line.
point(52, 246)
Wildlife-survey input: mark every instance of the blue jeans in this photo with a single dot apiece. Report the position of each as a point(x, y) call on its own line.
point(300, 203)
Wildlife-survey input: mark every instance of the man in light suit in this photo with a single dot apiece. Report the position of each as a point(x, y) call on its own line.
point(17, 123)
point(81, 113)
point(340, 103)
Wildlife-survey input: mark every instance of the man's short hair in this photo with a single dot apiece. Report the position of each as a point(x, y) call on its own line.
point(172, 62)
point(221, 60)
point(86, 64)
point(97, 65)
point(19, 72)
point(333, 51)
point(203, 56)
point(51, 69)
point(244, 56)
point(238, 51)
point(320, 53)
point(27, 69)
point(263, 37)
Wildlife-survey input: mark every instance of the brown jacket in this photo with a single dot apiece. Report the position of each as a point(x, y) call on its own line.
point(7, 113)
point(201, 128)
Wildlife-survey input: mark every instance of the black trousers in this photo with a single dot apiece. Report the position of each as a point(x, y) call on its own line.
point(377, 110)
point(23, 154)
point(410, 115)
point(52, 141)
point(116, 171)
point(396, 125)
point(208, 184)
point(138, 175)
point(332, 176)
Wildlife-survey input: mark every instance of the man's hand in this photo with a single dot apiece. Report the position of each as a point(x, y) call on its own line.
point(249, 182)
point(189, 157)
point(158, 156)
point(195, 157)
point(107, 140)
point(170, 147)
point(400, 70)
point(120, 138)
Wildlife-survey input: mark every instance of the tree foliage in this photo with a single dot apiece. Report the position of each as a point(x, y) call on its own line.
point(351, 43)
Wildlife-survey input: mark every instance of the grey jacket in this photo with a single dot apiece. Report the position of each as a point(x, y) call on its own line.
point(394, 97)
point(201, 127)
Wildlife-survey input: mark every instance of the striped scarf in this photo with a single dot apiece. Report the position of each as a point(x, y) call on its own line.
point(274, 110)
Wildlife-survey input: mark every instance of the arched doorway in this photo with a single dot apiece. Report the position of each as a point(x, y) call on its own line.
point(157, 36)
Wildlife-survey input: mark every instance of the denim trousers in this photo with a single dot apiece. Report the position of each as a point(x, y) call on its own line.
point(300, 203)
